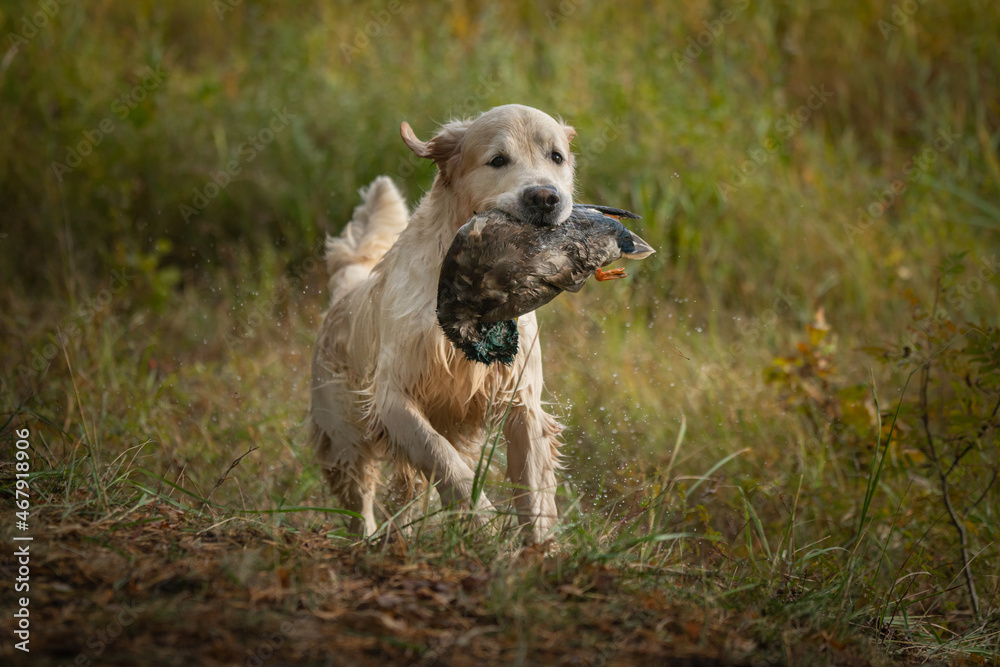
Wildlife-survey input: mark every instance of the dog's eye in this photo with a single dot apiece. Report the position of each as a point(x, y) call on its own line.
point(498, 161)
point(557, 157)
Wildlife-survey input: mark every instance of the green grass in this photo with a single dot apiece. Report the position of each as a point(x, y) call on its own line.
point(732, 488)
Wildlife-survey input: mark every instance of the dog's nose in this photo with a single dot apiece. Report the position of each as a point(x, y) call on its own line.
point(542, 199)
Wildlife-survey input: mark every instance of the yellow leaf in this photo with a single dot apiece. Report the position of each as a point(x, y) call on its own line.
point(816, 335)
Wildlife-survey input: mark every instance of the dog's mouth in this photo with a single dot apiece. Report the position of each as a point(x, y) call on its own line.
point(538, 204)
point(551, 218)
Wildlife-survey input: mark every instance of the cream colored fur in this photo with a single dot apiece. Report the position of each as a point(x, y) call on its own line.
point(386, 384)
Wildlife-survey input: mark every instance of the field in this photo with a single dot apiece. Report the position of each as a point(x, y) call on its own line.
point(781, 442)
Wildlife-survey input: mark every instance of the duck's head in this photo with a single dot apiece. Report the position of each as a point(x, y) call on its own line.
point(495, 342)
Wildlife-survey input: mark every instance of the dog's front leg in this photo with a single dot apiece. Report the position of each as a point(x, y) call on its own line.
point(532, 441)
point(532, 444)
point(414, 437)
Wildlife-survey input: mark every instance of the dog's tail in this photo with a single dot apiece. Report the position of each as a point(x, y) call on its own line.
point(370, 233)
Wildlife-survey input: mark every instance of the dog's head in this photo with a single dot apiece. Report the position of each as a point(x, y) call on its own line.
point(513, 158)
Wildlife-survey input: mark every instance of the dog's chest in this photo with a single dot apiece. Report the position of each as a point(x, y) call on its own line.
point(459, 391)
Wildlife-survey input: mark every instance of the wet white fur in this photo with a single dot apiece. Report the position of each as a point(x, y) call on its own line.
point(386, 384)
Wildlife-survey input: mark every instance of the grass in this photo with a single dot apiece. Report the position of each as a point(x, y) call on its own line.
point(748, 474)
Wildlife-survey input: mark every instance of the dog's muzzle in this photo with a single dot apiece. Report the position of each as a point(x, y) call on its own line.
point(541, 204)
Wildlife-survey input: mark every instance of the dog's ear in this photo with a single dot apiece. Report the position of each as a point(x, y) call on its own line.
point(444, 148)
point(418, 147)
point(570, 133)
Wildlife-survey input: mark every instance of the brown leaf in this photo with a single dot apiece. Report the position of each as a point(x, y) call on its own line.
point(373, 621)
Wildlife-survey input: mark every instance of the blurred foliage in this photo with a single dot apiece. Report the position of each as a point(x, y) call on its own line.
point(838, 412)
point(183, 86)
point(951, 421)
point(942, 434)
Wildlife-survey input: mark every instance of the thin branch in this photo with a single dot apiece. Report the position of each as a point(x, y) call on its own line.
point(959, 457)
point(958, 523)
point(996, 471)
point(996, 408)
point(925, 417)
point(989, 422)
point(964, 538)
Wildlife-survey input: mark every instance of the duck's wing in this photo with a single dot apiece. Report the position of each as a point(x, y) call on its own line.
point(568, 269)
point(522, 279)
point(616, 213)
point(594, 240)
point(539, 263)
point(576, 248)
point(482, 264)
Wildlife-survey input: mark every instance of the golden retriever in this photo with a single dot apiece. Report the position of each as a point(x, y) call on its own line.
point(386, 385)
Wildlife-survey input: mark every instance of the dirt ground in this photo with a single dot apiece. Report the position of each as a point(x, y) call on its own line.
point(171, 589)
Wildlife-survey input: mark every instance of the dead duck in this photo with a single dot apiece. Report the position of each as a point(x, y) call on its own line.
point(499, 268)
